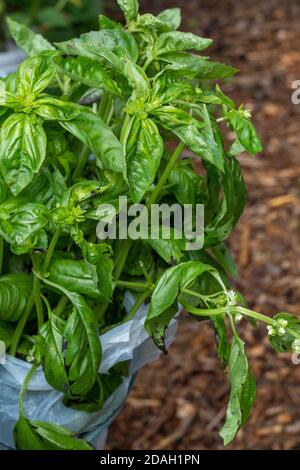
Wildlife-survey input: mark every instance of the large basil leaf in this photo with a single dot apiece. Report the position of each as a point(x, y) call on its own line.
point(90, 73)
point(27, 40)
point(185, 182)
point(169, 249)
point(83, 353)
point(190, 131)
point(177, 41)
point(198, 66)
point(35, 74)
point(245, 132)
point(130, 9)
point(24, 221)
point(22, 149)
point(108, 46)
point(53, 355)
point(14, 293)
point(92, 131)
point(74, 275)
point(227, 198)
point(171, 17)
point(39, 435)
point(243, 391)
point(166, 293)
point(137, 80)
point(53, 109)
point(143, 153)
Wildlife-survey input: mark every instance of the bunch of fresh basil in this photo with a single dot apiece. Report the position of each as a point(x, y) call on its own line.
point(140, 99)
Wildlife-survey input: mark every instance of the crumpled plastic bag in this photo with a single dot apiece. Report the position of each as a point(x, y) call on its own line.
point(9, 61)
point(128, 341)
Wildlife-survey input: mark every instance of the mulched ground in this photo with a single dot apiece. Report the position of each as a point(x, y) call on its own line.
point(179, 402)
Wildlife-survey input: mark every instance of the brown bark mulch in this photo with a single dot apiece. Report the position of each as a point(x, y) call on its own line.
point(179, 402)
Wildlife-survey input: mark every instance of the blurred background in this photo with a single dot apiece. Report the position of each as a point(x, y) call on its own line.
point(180, 401)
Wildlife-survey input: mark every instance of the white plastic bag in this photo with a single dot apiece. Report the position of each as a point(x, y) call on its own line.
point(128, 341)
point(10, 60)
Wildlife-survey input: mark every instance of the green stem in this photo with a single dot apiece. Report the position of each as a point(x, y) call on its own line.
point(125, 129)
point(24, 387)
point(38, 301)
point(121, 258)
point(20, 325)
point(213, 312)
point(132, 285)
point(139, 301)
point(108, 107)
point(51, 249)
point(119, 262)
point(1, 253)
point(158, 188)
point(61, 305)
point(82, 161)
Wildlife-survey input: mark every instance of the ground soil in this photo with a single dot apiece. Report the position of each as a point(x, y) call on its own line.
point(179, 402)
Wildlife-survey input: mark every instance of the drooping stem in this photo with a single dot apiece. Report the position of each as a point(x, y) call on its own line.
point(213, 312)
point(162, 180)
point(24, 387)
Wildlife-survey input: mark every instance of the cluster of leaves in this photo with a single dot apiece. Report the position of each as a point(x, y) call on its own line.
point(55, 19)
point(123, 111)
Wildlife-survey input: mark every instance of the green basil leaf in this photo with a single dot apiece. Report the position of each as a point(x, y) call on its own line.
point(177, 41)
point(185, 182)
point(99, 258)
point(53, 109)
point(39, 435)
point(92, 131)
point(245, 132)
point(144, 152)
point(107, 23)
point(83, 354)
point(192, 132)
point(227, 199)
point(137, 80)
point(109, 45)
point(23, 223)
point(58, 438)
point(35, 74)
point(169, 249)
point(243, 391)
point(222, 340)
point(200, 67)
point(151, 23)
point(53, 355)
point(171, 17)
point(166, 293)
point(26, 39)
point(130, 8)
point(90, 73)
point(14, 293)
point(224, 258)
point(22, 150)
point(74, 275)
point(24, 436)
